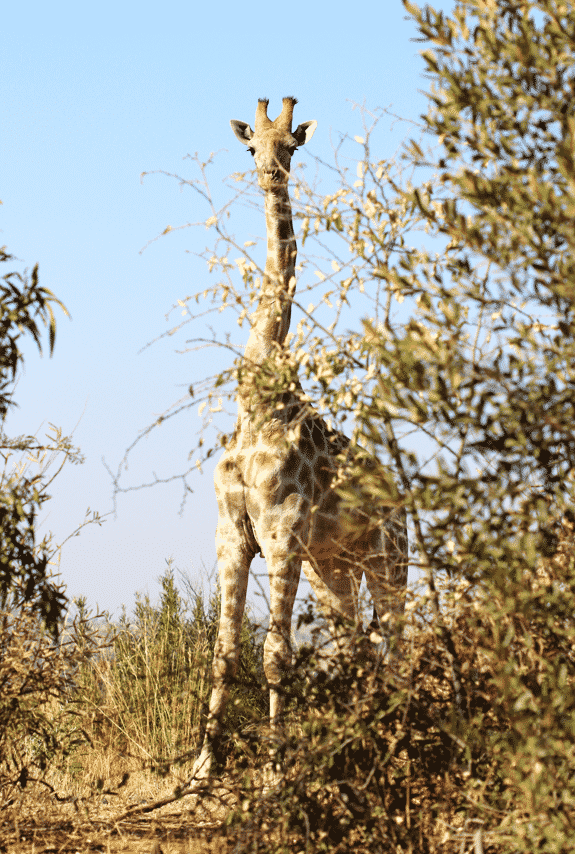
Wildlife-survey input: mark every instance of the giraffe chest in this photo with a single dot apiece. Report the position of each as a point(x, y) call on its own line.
point(279, 474)
point(276, 468)
point(272, 474)
point(283, 488)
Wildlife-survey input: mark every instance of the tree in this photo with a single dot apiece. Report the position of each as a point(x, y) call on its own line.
point(484, 368)
point(24, 571)
point(39, 665)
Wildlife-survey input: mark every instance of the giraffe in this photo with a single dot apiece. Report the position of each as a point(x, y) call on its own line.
point(277, 496)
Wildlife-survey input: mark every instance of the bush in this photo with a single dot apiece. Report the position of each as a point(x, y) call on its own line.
point(40, 721)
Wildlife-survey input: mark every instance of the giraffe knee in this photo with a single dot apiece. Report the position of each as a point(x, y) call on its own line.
point(225, 662)
point(277, 658)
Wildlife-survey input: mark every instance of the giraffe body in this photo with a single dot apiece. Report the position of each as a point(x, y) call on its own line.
point(274, 482)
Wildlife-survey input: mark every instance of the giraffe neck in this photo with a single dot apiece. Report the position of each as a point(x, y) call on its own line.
point(271, 319)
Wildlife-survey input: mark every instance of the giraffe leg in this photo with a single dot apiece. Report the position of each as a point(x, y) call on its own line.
point(386, 573)
point(234, 559)
point(284, 572)
point(335, 582)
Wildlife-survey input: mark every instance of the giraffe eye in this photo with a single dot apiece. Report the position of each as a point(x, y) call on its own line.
point(251, 150)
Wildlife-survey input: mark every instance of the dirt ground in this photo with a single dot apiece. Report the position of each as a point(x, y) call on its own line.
point(43, 827)
point(145, 836)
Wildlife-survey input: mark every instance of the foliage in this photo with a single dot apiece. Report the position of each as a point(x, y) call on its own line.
point(24, 569)
point(421, 755)
point(39, 724)
point(22, 304)
point(485, 368)
point(40, 657)
point(369, 763)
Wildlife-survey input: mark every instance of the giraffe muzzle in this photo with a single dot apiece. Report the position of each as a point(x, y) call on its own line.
point(273, 177)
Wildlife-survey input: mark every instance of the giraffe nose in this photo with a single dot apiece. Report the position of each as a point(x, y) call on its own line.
point(274, 174)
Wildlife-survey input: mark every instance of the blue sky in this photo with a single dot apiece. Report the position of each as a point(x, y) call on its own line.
point(94, 95)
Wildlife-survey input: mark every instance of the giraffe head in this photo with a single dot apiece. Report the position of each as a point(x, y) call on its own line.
point(272, 144)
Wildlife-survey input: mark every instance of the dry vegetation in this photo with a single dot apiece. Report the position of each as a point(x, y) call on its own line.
point(105, 720)
point(461, 388)
point(459, 739)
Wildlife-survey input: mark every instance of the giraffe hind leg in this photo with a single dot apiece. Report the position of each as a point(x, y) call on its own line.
point(386, 573)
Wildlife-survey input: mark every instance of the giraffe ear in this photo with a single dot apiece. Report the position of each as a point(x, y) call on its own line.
point(242, 130)
point(304, 132)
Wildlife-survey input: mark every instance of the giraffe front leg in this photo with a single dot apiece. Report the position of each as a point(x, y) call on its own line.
point(284, 572)
point(234, 559)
